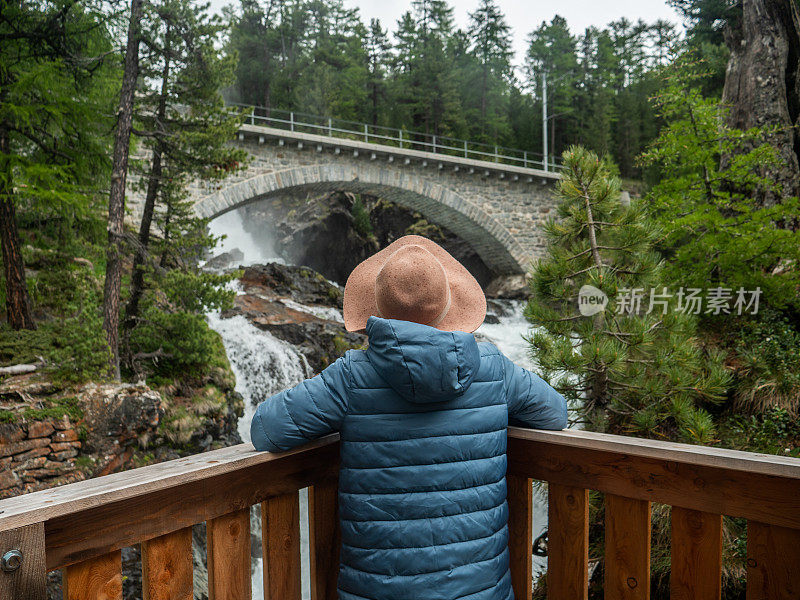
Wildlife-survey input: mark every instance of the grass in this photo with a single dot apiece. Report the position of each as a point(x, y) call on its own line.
point(54, 409)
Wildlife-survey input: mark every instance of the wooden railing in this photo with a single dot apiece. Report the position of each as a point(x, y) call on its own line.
point(80, 528)
point(700, 483)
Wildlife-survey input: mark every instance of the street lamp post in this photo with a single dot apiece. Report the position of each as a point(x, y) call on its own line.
point(544, 120)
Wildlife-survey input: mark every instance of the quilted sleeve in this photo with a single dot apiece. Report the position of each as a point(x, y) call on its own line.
point(310, 410)
point(531, 401)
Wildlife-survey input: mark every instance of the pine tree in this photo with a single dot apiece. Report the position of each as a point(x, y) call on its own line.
point(627, 367)
point(377, 49)
point(490, 44)
point(181, 118)
point(335, 71)
point(172, 335)
point(552, 51)
point(55, 79)
point(116, 201)
point(271, 44)
point(424, 88)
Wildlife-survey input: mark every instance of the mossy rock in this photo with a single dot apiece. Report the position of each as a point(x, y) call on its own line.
point(51, 410)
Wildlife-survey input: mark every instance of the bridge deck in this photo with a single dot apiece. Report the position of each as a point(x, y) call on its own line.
point(398, 153)
point(81, 527)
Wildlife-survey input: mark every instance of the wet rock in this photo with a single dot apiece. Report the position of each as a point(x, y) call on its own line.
point(37, 429)
point(320, 341)
point(301, 284)
point(23, 446)
point(225, 260)
point(267, 288)
point(10, 432)
point(512, 287)
point(8, 479)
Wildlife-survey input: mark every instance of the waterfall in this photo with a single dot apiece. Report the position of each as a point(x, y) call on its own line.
point(231, 226)
point(263, 364)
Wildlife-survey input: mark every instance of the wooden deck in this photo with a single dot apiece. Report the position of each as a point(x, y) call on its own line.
point(80, 528)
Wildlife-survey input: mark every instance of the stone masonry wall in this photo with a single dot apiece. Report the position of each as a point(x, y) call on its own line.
point(34, 453)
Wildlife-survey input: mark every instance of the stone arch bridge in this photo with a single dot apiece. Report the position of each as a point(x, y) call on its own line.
point(497, 208)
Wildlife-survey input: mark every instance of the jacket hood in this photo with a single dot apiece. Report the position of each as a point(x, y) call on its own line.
point(421, 363)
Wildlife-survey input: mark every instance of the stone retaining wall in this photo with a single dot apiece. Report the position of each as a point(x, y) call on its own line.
point(35, 454)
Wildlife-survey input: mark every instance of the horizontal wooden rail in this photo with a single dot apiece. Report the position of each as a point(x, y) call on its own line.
point(761, 487)
point(91, 518)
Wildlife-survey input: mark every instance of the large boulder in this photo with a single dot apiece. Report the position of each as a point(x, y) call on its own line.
point(118, 414)
point(299, 306)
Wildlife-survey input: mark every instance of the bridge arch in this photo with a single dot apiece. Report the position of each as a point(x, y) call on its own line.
point(440, 205)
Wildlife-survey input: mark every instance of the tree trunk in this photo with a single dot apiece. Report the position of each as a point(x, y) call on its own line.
point(153, 186)
point(762, 84)
point(116, 201)
point(137, 277)
point(18, 305)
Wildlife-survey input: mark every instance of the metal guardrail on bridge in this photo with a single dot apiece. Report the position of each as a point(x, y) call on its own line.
point(390, 136)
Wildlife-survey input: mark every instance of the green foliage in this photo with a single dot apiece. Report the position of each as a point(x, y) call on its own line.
point(52, 409)
point(172, 335)
point(767, 357)
point(717, 230)
point(706, 21)
point(179, 105)
point(627, 370)
point(56, 410)
point(774, 431)
point(71, 340)
point(361, 221)
point(175, 342)
point(56, 100)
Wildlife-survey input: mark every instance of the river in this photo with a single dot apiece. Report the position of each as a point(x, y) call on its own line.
point(265, 365)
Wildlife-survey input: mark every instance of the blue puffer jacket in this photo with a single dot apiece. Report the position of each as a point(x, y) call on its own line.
point(422, 492)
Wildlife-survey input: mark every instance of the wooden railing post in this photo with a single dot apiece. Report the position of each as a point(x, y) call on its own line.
point(567, 543)
point(24, 575)
point(520, 534)
point(228, 554)
point(696, 568)
point(98, 578)
point(167, 566)
point(773, 562)
point(280, 538)
point(627, 564)
point(325, 539)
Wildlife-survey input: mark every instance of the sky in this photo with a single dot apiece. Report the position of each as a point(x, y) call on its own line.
point(523, 15)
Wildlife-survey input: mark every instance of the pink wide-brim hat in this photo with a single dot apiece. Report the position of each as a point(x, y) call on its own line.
point(414, 279)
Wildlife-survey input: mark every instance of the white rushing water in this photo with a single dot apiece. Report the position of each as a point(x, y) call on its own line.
point(264, 365)
point(231, 227)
